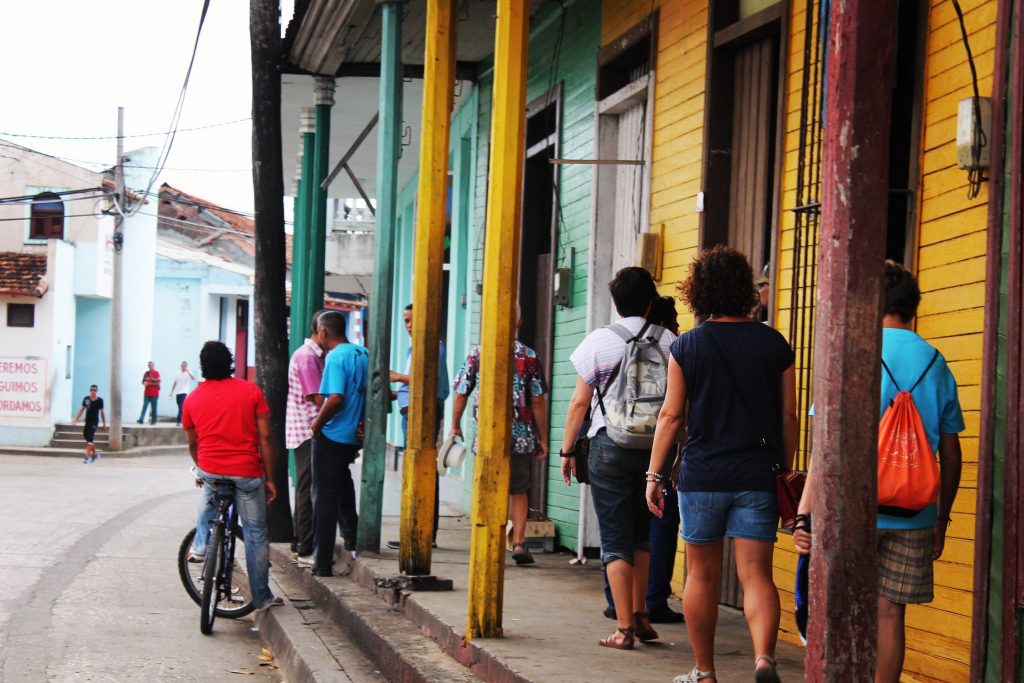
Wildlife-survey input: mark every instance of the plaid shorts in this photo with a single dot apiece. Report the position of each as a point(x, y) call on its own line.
point(905, 574)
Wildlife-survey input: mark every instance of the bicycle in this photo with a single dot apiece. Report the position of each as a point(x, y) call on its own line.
point(218, 584)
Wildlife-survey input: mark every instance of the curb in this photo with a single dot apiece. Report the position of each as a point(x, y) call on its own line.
point(469, 654)
point(400, 650)
point(46, 452)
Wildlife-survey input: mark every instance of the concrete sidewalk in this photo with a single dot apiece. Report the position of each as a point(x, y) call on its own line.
point(552, 620)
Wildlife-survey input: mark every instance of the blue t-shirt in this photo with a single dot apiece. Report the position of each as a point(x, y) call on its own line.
point(345, 370)
point(907, 356)
point(402, 392)
point(723, 450)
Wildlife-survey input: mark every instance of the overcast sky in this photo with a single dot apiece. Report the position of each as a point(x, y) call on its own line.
point(69, 64)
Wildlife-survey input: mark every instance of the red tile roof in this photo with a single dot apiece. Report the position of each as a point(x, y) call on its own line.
point(22, 274)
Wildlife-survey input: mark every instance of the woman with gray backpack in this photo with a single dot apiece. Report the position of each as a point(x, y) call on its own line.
point(622, 374)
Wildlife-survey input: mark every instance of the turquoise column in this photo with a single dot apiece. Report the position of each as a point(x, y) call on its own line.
point(378, 402)
point(302, 254)
point(318, 205)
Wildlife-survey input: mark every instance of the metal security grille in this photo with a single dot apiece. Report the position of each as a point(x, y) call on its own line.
point(807, 212)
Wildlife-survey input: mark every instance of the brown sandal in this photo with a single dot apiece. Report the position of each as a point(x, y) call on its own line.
point(625, 644)
point(642, 627)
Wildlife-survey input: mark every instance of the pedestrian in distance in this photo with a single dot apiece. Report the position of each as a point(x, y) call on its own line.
point(337, 438)
point(227, 422)
point(529, 430)
point(401, 395)
point(731, 382)
point(180, 388)
point(908, 541)
point(305, 373)
point(150, 393)
point(617, 470)
point(92, 406)
point(664, 529)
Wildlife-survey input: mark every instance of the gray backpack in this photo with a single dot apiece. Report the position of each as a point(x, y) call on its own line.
point(631, 412)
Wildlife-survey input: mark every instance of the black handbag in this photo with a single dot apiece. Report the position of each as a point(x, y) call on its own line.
point(581, 449)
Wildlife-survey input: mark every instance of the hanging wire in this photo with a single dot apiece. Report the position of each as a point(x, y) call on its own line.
point(114, 137)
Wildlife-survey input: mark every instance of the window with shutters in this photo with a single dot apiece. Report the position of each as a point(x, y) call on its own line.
point(47, 217)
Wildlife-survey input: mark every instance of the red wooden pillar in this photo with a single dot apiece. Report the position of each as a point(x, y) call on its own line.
point(844, 573)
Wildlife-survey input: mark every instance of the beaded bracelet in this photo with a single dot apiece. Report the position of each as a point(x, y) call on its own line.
point(654, 476)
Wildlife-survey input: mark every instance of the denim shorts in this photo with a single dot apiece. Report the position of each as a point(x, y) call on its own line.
point(618, 487)
point(710, 516)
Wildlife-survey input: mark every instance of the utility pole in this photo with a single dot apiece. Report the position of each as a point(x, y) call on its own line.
point(116, 299)
point(268, 190)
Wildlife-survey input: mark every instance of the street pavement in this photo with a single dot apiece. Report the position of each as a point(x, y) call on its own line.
point(89, 587)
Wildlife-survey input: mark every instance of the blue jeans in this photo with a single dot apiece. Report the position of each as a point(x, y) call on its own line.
point(148, 402)
point(251, 505)
point(180, 398)
point(664, 541)
point(619, 492)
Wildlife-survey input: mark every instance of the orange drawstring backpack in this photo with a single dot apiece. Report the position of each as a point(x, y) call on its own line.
point(908, 474)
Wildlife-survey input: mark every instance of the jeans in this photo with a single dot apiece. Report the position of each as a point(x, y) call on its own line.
point(334, 499)
point(664, 541)
point(303, 499)
point(710, 516)
point(619, 492)
point(251, 505)
point(181, 402)
point(148, 402)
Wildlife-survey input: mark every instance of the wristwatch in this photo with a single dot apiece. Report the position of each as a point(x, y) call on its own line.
point(570, 454)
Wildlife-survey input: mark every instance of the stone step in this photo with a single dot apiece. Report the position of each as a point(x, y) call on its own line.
point(101, 443)
point(398, 647)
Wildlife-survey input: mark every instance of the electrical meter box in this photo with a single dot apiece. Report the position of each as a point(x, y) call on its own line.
point(970, 155)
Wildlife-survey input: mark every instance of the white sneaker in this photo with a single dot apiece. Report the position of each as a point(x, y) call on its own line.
point(304, 561)
point(195, 558)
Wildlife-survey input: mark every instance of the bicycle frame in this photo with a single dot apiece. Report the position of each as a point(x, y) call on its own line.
point(224, 501)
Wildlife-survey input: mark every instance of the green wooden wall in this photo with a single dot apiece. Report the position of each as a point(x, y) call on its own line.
point(576, 69)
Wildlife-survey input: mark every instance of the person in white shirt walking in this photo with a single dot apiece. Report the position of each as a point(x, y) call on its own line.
point(180, 388)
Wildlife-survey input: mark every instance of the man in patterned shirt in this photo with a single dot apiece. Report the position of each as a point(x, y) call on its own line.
point(305, 372)
point(529, 430)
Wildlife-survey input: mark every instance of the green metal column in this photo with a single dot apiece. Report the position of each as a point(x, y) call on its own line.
point(318, 219)
point(301, 250)
point(381, 298)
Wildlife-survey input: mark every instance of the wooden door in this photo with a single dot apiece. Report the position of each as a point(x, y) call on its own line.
point(630, 185)
point(242, 339)
point(753, 134)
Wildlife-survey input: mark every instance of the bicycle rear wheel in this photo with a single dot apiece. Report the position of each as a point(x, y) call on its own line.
point(239, 603)
point(211, 574)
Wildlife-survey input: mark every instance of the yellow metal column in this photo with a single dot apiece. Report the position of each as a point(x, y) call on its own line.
point(498, 327)
point(419, 469)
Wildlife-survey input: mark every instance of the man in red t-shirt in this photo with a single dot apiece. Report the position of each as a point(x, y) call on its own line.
point(150, 394)
point(227, 421)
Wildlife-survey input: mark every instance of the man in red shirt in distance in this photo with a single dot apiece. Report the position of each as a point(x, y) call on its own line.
point(151, 393)
point(227, 421)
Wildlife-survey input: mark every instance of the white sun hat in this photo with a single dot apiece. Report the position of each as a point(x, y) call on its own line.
point(450, 455)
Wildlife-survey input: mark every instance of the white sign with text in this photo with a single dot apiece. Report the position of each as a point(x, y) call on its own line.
point(22, 387)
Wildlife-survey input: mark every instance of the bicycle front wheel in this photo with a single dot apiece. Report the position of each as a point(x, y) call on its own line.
point(239, 603)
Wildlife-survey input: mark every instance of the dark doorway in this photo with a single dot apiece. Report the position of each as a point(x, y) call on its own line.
point(242, 339)
point(904, 138)
point(742, 136)
point(537, 251)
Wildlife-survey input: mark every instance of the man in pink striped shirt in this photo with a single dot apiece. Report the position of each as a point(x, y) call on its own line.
point(305, 371)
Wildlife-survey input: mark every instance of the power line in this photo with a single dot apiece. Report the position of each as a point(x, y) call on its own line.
point(114, 137)
point(165, 151)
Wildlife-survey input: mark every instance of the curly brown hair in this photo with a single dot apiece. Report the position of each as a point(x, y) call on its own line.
point(721, 283)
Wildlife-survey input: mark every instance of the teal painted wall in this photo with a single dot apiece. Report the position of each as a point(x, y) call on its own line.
point(576, 69)
point(92, 349)
point(462, 154)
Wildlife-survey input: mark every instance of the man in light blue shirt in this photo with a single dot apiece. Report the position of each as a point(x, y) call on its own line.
point(402, 397)
point(909, 542)
point(337, 438)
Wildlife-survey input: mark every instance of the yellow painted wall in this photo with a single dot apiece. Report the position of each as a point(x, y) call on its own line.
point(949, 256)
point(678, 152)
point(950, 263)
